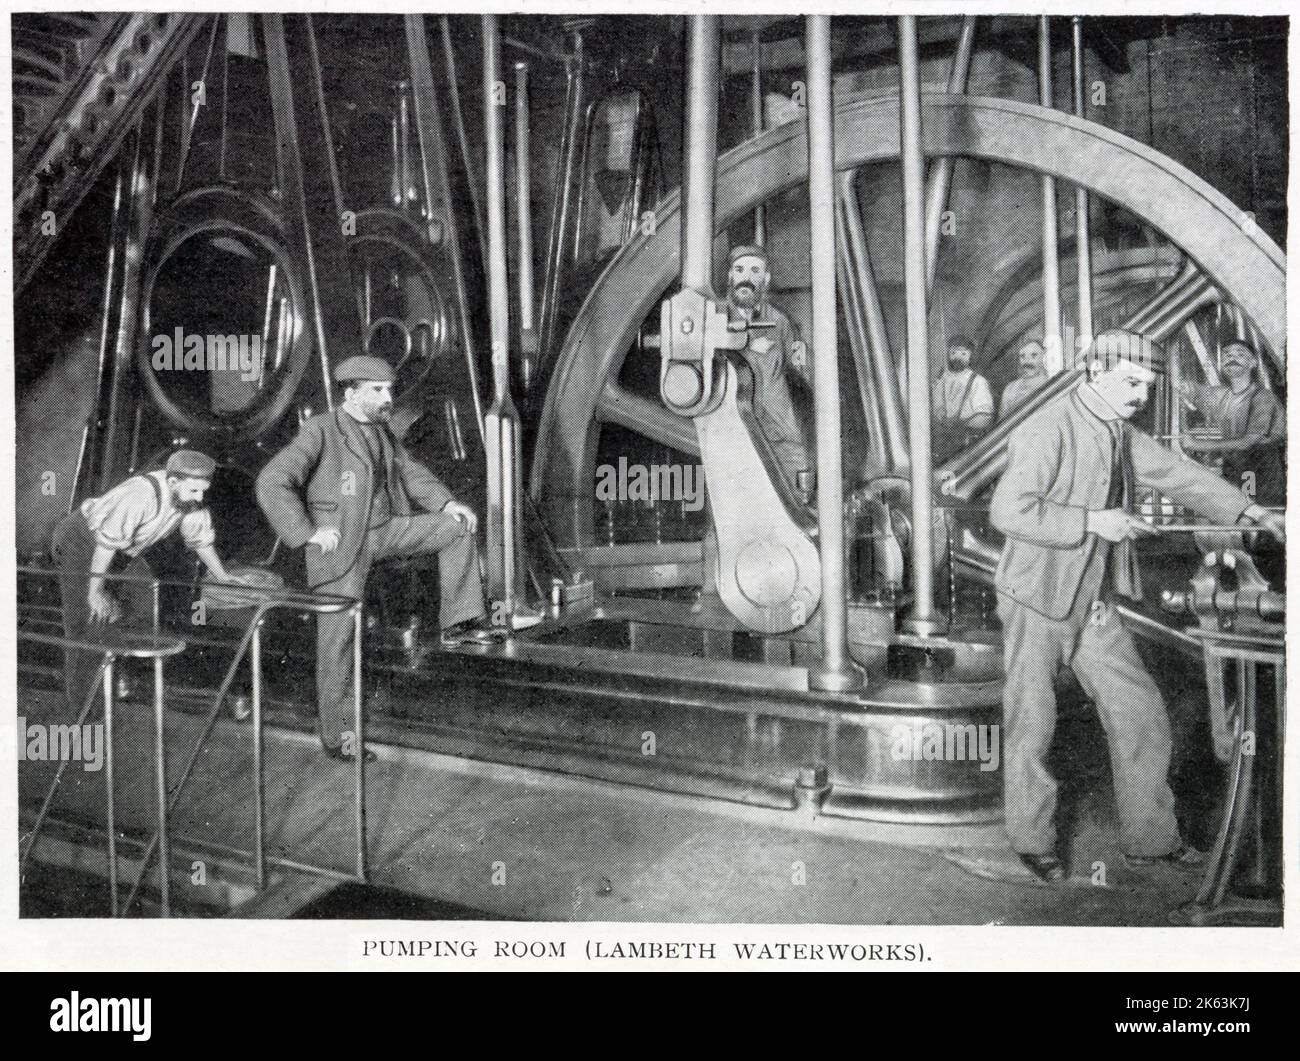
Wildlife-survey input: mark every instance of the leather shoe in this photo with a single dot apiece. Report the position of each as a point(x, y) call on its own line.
point(335, 751)
point(1185, 858)
point(1047, 868)
point(471, 632)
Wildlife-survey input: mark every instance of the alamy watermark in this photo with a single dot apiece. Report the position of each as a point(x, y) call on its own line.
point(180, 352)
point(948, 742)
point(49, 742)
point(652, 482)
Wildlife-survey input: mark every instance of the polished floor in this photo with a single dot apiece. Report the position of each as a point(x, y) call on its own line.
point(477, 839)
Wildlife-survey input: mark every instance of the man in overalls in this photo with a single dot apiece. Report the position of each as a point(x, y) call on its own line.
point(119, 526)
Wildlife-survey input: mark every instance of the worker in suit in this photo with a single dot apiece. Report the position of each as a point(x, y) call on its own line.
point(1065, 505)
point(347, 490)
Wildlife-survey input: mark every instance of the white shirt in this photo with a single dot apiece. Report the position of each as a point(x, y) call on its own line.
point(948, 402)
point(133, 516)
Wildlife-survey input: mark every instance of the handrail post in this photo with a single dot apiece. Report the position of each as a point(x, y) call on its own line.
point(160, 785)
point(259, 768)
point(360, 758)
point(108, 783)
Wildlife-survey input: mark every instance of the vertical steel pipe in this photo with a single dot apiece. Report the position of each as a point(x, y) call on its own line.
point(259, 766)
point(110, 816)
point(524, 219)
point(359, 792)
point(433, 168)
point(1053, 356)
point(922, 618)
point(458, 120)
point(502, 420)
point(1082, 228)
point(403, 144)
point(756, 125)
point(940, 179)
point(701, 152)
point(160, 787)
point(571, 143)
point(837, 670)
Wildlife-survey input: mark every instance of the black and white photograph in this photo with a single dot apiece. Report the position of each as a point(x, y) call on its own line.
point(669, 467)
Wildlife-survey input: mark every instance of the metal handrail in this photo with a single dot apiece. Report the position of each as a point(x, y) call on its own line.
point(252, 641)
point(156, 649)
point(263, 601)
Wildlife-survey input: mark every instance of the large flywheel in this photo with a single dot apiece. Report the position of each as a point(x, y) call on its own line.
point(1222, 241)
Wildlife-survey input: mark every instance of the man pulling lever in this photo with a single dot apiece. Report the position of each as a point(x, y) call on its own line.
point(1065, 504)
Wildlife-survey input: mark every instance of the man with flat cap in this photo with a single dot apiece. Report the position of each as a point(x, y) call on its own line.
point(774, 351)
point(114, 531)
point(1065, 504)
point(348, 491)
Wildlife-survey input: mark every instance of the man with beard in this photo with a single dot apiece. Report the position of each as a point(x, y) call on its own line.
point(961, 402)
point(1065, 504)
point(1251, 423)
point(122, 525)
point(348, 491)
point(1032, 376)
point(773, 351)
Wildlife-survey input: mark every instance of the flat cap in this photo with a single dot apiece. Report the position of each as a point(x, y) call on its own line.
point(373, 369)
point(961, 342)
point(190, 464)
point(745, 250)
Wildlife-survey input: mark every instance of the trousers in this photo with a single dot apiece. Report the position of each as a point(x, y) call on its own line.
point(460, 589)
point(1094, 643)
point(73, 549)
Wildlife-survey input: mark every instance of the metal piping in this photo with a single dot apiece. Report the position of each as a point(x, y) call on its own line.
point(524, 219)
point(1082, 235)
point(940, 178)
point(502, 421)
point(855, 326)
point(570, 152)
point(922, 619)
point(889, 395)
point(701, 153)
point(139, 218)
point(1160, 318)
point(458, 119)
point(433, 166)
point(836, 671)
point(756, 127)
point(1053, 355)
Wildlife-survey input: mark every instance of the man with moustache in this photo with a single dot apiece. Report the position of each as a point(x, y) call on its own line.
point(1032, 376)
point(1065, 504)
point(961, 402)
point(1251, 423)
point(773, 352)
point(348, 491)
point(114, 531)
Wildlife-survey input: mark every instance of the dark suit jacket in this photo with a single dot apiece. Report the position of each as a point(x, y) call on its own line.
point(324, 478)
point(1058, 470)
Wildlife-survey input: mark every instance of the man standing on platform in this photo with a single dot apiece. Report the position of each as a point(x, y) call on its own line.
point(348, 490)
point(1065, 504)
